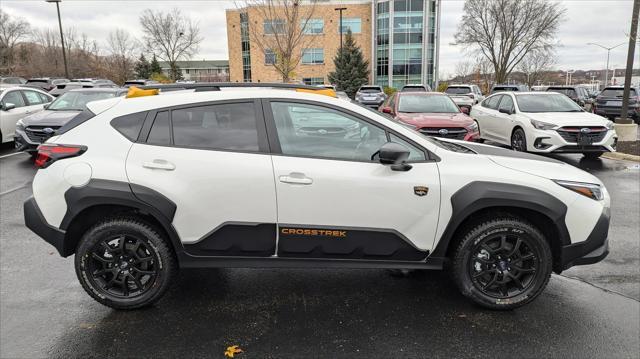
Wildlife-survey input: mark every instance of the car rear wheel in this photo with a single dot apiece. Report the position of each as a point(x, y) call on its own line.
point(519, 140)
point(502, 263)
point(124, 263)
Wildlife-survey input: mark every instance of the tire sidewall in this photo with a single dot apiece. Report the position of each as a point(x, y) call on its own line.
point(524, 140)
point(534, 240)
point(111, 229)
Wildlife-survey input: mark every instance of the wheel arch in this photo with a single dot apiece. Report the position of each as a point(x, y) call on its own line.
point(102, 198)
point(478, 201)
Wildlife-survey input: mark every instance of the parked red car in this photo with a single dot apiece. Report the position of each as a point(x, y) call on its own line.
point(432, 114)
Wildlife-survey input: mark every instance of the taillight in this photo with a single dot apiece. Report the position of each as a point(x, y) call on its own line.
point(471, 96)
point(49, 153)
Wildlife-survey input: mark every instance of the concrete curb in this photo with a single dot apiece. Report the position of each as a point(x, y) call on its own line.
point(621, 156)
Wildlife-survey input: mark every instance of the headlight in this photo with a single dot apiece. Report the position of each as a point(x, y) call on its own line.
point(591, 190)
point(542, 125)
point(473, 127)
point(610, 125)
point(20, 125)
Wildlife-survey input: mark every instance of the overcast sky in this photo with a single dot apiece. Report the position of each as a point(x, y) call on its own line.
point(601, 21)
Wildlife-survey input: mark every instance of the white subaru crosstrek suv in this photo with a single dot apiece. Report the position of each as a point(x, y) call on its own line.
point(139, 187)
point(543, 122)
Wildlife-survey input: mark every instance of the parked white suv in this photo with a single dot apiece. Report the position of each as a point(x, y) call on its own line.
point(138, 187)
point(543, 122)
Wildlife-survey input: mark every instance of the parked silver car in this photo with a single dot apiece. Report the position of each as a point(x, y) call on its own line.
point(371, 95)
point(465, 95)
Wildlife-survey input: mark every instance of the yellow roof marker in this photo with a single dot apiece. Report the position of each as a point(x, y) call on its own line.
point(138, 92)
point(320, 91)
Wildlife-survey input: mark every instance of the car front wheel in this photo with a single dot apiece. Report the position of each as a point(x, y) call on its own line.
point(124, 263)
point(519, 140)
point(502, 263)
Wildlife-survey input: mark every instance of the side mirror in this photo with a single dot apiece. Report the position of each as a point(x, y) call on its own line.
point(46, 106)
point(504, 110)
point(464, 110)
point(395, 155)
point(386, 109)
point(8, 106)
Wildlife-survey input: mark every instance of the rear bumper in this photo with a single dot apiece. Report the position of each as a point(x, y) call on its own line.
point(592, 250)
point(34, 220)
point(615, 111)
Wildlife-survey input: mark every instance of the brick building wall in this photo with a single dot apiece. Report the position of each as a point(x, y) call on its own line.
point(328, 40)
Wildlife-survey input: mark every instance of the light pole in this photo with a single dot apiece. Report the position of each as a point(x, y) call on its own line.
point(64, 55)
point(606, 73)
point(340, 9)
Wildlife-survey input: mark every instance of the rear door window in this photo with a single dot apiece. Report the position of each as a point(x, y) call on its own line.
point(230, 126)
point(33, 98)
point(160, 133)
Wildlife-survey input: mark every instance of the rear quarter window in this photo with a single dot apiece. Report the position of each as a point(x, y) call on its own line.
point(129, 125)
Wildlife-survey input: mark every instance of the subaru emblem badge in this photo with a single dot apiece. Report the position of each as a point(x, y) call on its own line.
point(585, 130)
point(443, 131)
point(48, 130)
point(322, 131)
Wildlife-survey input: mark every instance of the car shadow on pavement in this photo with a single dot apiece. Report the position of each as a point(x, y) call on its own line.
point(339, 313)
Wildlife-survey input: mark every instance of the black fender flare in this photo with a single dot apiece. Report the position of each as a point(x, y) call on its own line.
point(480, 195)
point(100, 192)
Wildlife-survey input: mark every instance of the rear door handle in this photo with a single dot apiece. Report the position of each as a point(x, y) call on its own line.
point(296, 178)
point(159, 165)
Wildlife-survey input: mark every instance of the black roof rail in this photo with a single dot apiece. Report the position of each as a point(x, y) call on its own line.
point(215, 86)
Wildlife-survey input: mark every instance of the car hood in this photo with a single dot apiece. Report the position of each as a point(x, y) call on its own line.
point(536, 165)
point(435, 119)
point(569, 118)
point(49, 118)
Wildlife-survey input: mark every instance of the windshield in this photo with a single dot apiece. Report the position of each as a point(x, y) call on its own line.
point(458, 90)
point(370, 89)
point(78, 100)
point(568, 92)
point(616, 92)
point(546, 103)
point(426, 104)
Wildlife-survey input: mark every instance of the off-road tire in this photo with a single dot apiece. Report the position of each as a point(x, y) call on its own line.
point(155, 244)
point(461, 267)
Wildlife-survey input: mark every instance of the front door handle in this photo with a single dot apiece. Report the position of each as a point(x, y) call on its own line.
point(296, 178)
point(159, 165)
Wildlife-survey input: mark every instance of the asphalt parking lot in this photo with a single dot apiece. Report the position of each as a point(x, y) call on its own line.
point(591, 311)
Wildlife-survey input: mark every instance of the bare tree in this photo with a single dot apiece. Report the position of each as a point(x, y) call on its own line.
point(537, 65)
point(505, 31)
point(11, 31)
point(121, 47)
point(463, 69)
point(170, 36)
point(279, 27)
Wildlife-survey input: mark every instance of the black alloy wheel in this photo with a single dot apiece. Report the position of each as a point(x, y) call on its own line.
point(125, 263)
point(123, 267)
point(519, 140)
point(501, 262)
point(503, 266)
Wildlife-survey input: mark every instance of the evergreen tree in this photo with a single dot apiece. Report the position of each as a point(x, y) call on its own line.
point(142, 68)
point(154, 66)
point(352, 70)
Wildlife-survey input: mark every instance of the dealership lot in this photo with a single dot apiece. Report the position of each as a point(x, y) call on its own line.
point(278, 313)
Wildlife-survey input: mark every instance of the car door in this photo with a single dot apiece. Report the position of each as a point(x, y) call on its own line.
point(213, 162)
point(334, 200)
point(504, 122)
point(486, 117)
point(9, 117)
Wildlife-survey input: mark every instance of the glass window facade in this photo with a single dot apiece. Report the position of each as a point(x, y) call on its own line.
point(246, 49)
point(405, 42)
point(313, 26)
point(276, 26)
point(351, 23)
point(313, 80)
point(313, 56)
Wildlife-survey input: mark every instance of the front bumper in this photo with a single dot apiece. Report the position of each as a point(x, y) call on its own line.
point(594, 249)
point(548, 141)
point(35, 221)
point(22, 142)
